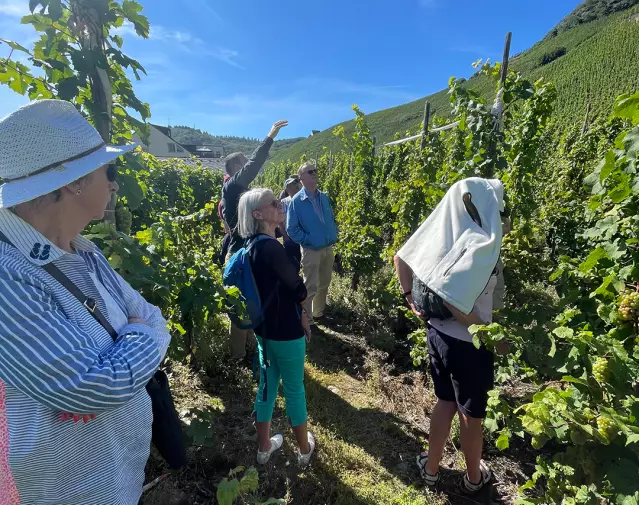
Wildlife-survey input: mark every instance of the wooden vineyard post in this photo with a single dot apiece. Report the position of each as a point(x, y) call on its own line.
point(504, 61)
point(585, 126)
point(425, 128)
point(499, 105)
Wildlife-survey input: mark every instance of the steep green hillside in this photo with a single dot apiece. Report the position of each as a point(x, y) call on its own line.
point(601, 56)
point(187, 135)
point(592, 10)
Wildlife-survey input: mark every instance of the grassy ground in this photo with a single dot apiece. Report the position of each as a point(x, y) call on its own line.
point(369, 411)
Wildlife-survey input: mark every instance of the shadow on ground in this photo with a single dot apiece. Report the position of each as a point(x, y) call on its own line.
point(368, 413)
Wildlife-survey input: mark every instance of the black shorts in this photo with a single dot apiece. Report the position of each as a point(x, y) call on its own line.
point(461, 372)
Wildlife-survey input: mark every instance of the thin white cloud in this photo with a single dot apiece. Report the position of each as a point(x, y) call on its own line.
point(186, 42)
point(337, 86)
point(203, 6)
point(126, 29)
point(158, 32)
point(226, 55)
point(14, 8)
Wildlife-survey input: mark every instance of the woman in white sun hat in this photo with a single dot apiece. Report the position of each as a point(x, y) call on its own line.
point(57, 363)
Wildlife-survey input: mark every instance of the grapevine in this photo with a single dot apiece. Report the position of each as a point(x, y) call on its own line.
point(569, 261)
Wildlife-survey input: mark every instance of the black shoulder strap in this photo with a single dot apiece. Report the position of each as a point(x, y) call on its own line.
point(88, 303)
point(470, 208)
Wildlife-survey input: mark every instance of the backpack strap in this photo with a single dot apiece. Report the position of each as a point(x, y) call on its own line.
point(252, 242)
point(470, 208)
point(256, 239)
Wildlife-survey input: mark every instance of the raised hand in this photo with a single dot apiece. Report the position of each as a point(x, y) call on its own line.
point(275, 129)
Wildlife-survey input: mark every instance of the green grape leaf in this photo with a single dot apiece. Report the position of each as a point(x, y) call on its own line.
point(227, 491)
point(564, 332)
point(250, 481)
point(131, 190)
point(592, 259)
point(553, 346)
point(15, 46)
point(503, 441)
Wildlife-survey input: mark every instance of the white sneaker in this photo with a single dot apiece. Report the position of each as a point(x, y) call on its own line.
point(276, 443)
point(304, 459)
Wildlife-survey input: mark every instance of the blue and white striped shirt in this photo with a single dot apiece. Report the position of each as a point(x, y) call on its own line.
point(54, 358)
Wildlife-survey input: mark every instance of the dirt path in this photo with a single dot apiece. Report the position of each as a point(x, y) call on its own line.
point(369, 411)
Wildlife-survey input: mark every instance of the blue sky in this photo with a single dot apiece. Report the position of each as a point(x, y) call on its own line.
point(235, 67)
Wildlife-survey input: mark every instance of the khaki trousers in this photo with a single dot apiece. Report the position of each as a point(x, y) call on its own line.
point(237, 337)
point(317, 269)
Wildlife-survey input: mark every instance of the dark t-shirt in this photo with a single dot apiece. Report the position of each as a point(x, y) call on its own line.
point(273, 269)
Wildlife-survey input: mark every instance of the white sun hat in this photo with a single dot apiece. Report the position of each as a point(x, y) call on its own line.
point(46, 145)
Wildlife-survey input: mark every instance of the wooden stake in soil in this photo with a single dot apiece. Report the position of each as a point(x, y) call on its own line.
point(504, 61)
point(498, 108)
point(425, 128)
point(585, 126)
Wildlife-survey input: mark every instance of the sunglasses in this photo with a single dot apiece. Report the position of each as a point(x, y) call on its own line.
point(311, 172)
point(276, 204)
point(111, 173)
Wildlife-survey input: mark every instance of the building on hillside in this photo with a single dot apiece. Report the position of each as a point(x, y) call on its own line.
point(205, 150)
point(314, 132)
point(161, 144)
point(209, 163)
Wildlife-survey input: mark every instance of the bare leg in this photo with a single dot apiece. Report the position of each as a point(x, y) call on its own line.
point(440, 421)
point(263, 435)
point(471, 435)
point(301, 435)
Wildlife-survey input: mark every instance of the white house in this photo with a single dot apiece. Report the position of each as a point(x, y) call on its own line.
point(161, 144)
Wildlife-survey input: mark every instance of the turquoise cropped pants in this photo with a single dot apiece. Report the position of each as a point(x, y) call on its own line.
point(281, 360)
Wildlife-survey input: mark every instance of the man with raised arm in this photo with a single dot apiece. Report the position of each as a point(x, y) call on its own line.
point(241, 172)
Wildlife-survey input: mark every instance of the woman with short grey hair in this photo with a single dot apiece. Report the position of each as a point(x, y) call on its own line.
point(58, 363)
point(281, 337)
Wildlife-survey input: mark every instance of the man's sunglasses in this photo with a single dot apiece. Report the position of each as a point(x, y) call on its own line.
point(311, 172)
point(112, 173)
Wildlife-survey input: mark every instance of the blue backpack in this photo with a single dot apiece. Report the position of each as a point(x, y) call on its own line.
point(238, 273)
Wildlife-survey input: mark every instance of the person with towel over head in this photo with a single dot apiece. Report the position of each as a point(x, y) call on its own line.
point(448, 273)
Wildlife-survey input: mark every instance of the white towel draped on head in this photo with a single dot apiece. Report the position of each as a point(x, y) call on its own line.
point(449, 252)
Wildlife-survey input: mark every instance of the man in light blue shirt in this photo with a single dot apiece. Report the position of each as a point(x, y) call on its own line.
point(311, 223)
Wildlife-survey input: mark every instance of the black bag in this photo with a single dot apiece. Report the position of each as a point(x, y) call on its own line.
point(166, 429)
point(166, 432)
point(428, 302)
